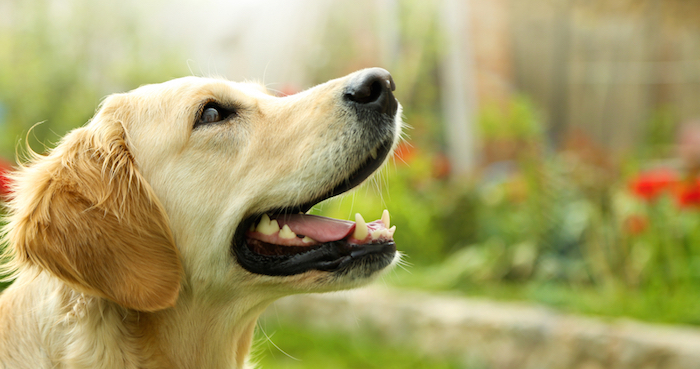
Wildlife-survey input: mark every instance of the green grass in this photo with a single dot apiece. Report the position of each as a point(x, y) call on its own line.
point(656, 303)
point(313, 348)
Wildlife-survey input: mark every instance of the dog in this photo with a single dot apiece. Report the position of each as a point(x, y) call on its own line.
point(156, 234)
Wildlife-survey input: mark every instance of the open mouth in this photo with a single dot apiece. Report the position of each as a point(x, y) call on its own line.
point(287, 242)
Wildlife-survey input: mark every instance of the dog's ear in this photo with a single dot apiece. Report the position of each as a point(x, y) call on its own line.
point(85, 214)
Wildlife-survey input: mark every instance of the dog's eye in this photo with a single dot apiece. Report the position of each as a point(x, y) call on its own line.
point(213, 113)
point(210, 115)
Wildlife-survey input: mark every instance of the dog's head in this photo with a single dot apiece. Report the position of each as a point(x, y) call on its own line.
point(203, 184)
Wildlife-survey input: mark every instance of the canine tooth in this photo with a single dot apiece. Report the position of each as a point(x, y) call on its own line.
point(307, 239)
point(267, 226)
point(373, 152)
point(385, 218)
point(361, 230)
point(287, 233)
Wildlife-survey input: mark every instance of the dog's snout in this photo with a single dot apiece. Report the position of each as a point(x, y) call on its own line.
point(372, 89)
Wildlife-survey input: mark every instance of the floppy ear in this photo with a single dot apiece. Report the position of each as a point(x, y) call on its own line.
point(85, 214)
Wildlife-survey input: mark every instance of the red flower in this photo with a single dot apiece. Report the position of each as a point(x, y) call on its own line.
point(651, 184)
point(688, 194)
point(405, 153)
point(4, 181)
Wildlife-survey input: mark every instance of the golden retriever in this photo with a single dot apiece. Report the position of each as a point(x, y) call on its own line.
point(156, 234)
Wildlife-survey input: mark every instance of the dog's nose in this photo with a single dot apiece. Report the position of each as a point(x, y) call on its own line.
point(371, 90)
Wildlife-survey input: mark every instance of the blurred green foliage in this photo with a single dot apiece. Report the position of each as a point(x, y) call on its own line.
point(518, 120)
point(557, 227)
point(57, 64)
point(412, 52)
point(292, 346)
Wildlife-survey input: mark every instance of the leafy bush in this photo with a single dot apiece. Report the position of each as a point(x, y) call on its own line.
point(565, 228)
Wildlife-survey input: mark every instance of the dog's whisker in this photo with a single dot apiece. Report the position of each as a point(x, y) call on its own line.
point(265, 71)
point(269, 339)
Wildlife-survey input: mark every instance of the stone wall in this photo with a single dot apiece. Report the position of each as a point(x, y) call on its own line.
point(486, 334)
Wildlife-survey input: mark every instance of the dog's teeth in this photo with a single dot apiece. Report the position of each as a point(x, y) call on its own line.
point(385, 218)
point(263, 223)
point(267, 226)
point(377, 233)
point(307, 239)
point(391, 231)
point(373, 153)
point(287, 233)
point(361, 230)
point(274, 226)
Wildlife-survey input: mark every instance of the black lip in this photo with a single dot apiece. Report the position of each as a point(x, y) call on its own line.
point(336, 256)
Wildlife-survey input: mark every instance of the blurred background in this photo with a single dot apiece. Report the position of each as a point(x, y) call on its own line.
point(553, 155)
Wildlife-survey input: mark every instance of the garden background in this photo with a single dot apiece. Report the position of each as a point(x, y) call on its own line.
point(552, 157)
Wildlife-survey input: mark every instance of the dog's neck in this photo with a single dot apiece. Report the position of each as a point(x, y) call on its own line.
point(205, 335)
point(197, 333)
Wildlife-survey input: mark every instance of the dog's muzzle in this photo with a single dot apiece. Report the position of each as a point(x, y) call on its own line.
point(286, 241)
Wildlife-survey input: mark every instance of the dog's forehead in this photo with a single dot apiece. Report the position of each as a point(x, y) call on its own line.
point(195, 89)
point(177, 102)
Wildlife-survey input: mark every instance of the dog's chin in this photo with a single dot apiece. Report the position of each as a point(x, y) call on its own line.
point(285, 241)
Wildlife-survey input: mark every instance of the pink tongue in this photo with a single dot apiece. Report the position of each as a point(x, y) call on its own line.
point(319, 228)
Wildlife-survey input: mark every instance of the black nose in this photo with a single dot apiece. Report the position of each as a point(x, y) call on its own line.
point(371, 90)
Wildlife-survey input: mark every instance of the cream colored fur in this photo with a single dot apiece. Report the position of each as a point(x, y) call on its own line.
point(120, 237)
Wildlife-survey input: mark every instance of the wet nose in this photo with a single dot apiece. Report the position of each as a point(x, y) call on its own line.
point(371, 90)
